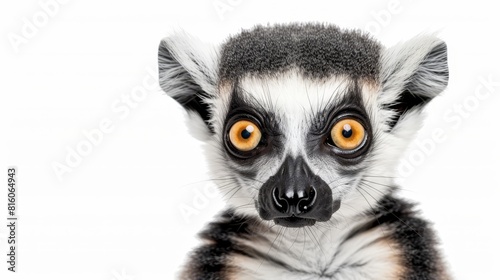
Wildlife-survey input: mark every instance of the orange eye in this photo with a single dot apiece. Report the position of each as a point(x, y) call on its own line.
point(245, 135)
point(348, 134)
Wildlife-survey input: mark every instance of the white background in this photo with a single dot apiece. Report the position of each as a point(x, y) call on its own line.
point(117, 212)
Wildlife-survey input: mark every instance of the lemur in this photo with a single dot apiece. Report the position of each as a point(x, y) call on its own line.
point(303, 126)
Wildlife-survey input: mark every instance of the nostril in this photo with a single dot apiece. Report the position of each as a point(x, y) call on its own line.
point(305, 204)
point(294, 202)
point(281, 204)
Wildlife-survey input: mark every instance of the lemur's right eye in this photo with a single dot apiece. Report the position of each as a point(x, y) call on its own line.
point(245, 135)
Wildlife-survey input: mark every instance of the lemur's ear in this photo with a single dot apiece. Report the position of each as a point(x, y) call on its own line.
point(412, 74)
point(188, 73)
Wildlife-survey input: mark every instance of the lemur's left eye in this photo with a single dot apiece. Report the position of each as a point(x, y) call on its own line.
point(347, 134)
point(245, 135)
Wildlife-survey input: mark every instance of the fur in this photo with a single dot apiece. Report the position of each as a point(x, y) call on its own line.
point(318, 51)
point(293, 79)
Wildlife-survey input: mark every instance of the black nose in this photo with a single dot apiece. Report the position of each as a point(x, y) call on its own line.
point(295, 201)
point(295, 196)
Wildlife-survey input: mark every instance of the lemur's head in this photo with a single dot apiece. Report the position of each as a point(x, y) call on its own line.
point(303, 120)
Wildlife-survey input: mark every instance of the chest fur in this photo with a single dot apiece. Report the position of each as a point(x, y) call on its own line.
point(308, 254)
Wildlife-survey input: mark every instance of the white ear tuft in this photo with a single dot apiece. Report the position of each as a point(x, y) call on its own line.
point(412, 74)
point(188, 72)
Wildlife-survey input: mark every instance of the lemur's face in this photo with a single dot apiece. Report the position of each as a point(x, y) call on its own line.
point(297, 147)
point(303, 121)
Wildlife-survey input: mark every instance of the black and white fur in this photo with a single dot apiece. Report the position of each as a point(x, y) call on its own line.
point(295, 75)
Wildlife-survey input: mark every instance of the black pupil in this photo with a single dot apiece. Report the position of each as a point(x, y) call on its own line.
point(246, 134)
point(347, 133)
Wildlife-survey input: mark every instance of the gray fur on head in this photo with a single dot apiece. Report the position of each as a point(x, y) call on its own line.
point(317, 50)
